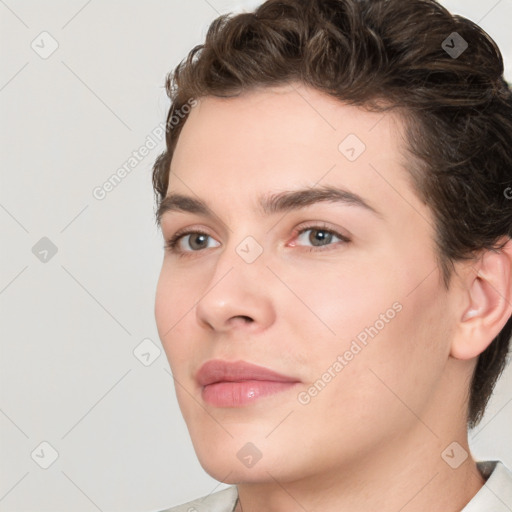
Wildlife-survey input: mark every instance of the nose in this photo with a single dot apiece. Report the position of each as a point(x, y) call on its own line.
point(238, 295)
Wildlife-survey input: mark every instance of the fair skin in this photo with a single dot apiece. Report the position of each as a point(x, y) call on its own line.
point(372, 438)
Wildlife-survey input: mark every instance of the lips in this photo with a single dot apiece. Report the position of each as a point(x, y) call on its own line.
point(225, 371)
point(234, 384)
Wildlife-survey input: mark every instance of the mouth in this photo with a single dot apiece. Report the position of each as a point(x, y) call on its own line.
point(237, 384)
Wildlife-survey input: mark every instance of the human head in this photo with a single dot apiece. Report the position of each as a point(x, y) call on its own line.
point(365, 56)
point(383, 55)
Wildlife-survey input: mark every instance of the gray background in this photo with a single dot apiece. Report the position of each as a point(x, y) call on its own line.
point(71, 321)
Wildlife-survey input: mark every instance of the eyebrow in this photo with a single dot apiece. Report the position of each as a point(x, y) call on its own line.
point(281, 202)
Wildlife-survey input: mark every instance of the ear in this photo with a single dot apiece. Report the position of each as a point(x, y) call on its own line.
point(487, 304)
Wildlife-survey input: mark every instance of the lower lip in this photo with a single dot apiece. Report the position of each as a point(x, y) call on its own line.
point(237, 394)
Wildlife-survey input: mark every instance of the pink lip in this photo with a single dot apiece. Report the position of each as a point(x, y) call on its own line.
point(234, 384)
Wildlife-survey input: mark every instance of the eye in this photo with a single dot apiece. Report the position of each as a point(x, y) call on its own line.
point(194, 239)
point(319, 236)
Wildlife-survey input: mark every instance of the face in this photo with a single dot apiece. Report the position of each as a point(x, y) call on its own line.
point(335, 289)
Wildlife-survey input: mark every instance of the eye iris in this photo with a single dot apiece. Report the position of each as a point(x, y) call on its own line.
point(321, 236)
point(194, 238)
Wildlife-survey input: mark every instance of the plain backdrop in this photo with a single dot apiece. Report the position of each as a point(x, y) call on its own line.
point(85, 386)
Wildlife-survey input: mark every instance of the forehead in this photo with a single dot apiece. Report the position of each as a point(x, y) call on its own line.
point(303, 110)
point(275, 139)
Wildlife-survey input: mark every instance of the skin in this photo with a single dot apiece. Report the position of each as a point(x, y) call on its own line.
point(372, 438)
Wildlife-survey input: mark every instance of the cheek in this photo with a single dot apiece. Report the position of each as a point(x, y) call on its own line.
point(164, 305)
point(176, 293)
point(346, 297)
point(383, 316)
point(401, 362)
point(173, 304)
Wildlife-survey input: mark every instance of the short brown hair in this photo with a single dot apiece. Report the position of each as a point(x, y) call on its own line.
point(382, 55)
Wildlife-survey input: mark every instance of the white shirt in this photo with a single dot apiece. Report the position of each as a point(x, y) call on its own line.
point(494, 496)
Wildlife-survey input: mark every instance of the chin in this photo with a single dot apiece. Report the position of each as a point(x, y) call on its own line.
point(236, 459)
point(234, 475)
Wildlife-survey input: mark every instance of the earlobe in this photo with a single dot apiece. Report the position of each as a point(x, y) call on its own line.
point(489, 292)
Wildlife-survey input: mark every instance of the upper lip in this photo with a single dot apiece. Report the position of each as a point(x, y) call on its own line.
point(218, 370)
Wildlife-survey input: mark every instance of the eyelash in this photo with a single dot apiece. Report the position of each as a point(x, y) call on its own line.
point(172, 243)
